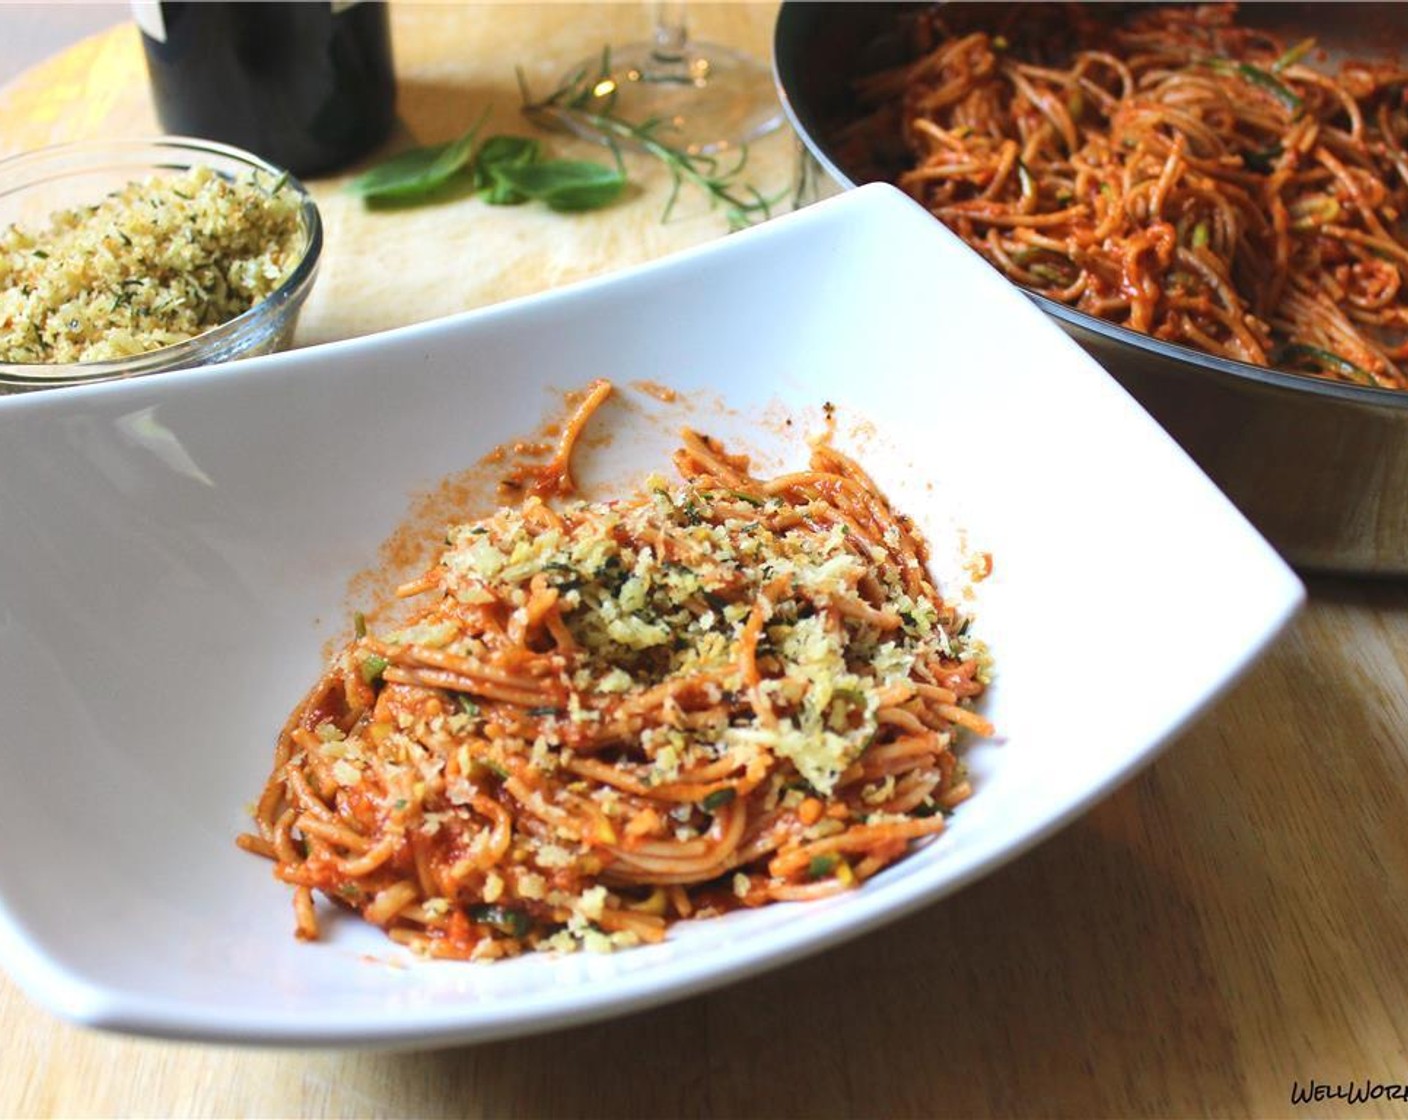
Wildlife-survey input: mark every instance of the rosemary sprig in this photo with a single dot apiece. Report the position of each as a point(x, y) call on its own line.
point(574, 105)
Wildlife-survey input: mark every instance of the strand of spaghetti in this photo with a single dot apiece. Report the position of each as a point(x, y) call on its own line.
point(371, 859)
point(806, 892)
point(256, 845)
point(427, 876)
point(985, 212)
point(868, 866)
point(297, 785)
point(956, 795)
point(748, 670)
point(561, 636)
point(532, 667)
point(725, 834)
point(900, 754)
point(673, 689)
point(532, 800)
point(1049, 107)
point(693, 789)
point(648, 927)
point(555, 476)
point(707, 460)
point(934, 692)
point(1376, 242)
point(822, 484)
point(419, 586)
point(282, 841)
point(966, 717)
point(305, 916)
point(270, 805)
point(912, 791)
point(901, 718)
point(862, 611)
point(474, 686)
point(662, 852)
point(389, 902)
point(332, 832)
point(858, 838)
point(487, 850)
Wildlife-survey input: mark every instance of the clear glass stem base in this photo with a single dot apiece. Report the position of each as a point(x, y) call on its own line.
point(708, 98)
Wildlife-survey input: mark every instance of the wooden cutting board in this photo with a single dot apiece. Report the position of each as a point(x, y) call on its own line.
point(385, 268)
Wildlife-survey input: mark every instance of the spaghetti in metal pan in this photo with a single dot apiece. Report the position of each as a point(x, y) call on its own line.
point(1169, 169)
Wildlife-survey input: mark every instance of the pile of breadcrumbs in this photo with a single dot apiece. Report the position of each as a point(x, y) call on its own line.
point(155, 263)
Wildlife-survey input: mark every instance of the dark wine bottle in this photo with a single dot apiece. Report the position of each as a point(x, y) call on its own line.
point(309, 86)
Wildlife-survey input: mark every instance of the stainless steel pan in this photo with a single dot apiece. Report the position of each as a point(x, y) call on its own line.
point(1320, 468)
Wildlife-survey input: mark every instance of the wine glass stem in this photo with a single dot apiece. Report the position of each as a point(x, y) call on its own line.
point(671, 33)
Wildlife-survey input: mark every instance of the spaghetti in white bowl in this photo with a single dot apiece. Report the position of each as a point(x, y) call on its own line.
point(181, 557)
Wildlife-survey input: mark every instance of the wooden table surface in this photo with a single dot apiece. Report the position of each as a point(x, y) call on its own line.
point(1229, 925)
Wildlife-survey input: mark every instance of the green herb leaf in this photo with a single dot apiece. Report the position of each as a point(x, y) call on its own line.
point(1262, 79)
point(578, 105)
point(1264, 160)
point(405, 174)
point(564, 184)
point(373, 667)
point(514, 923)
point(359, 624)
point(1316, 210)
point(503, 151)
point(1302, 354)
point(718, 799)
point(509, 150)
point(1273, 85)
point(1293, 55)
point(457, 154)
point(419, 170)
point(821, 866)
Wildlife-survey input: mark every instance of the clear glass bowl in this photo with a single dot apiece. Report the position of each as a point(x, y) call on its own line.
point(36, 184)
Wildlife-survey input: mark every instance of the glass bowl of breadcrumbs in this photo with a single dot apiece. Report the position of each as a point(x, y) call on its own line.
point(122, 258)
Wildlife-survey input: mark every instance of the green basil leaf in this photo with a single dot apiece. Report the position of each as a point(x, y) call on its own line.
point(403, 174)
point(564, 184)
point(503, 151)
point(508, 150)
point(456, 155)
point(501, 194)
point(419, 170)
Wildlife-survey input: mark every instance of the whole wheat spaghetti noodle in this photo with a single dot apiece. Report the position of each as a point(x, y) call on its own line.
point(608, 716)
point(1166, 168)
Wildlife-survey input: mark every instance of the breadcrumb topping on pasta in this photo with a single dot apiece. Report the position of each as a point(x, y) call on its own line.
point(721, 692)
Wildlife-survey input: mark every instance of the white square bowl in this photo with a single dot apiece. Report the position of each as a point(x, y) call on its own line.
point(175, 552)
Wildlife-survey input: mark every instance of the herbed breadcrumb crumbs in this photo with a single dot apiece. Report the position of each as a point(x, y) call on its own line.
point(158, 262)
